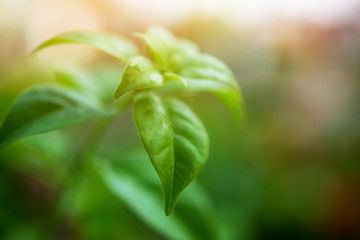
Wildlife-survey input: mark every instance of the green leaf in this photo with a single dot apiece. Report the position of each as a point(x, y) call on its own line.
point(207, 73)
point(116, 46)
point(78, 81)
point(130, 178)
point(175, 140)
point(157, 41)
point(180, 60)
point(229, 96)
point(180, 51)
point(204, 66)
point(139, 73)
point(47, 108)
point(165, 50)
point(173, 76)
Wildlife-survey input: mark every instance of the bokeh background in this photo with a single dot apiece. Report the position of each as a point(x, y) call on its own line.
point(291, 171)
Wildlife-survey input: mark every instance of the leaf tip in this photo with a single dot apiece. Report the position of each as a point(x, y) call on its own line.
point(169, 209)
point(117, 94)
point(176, 77)
point(33, 54)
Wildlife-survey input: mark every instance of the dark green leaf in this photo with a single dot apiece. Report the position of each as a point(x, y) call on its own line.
point(79, 81)
point(48, 108)
point(100, 84)
point(139, 73)
point(131, 180)
point(175, 140)
point(116, 46)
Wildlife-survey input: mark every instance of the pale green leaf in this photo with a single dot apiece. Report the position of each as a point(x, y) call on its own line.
point(139, 73)
point(113, 45)
point(180, 51)
point(173, 76)
point(207, 73)
point(175, 140)
point(47, 108)
point(228, 95)
point(165, 50)
point(158, 42)
point(204, 66)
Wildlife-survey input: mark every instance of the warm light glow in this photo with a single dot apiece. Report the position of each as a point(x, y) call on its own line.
point(237, 12)
point(243, 11)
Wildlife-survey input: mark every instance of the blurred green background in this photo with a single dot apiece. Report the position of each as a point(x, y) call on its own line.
point(291, 171)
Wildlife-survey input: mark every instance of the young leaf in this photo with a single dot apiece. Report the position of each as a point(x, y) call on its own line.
point(116, 46)
point(165, 50)
point(229, 96)
point(139, 73)
point(207, 73)
point(179, 52)
point(173, 76)
point(175, 140)
point(43, 109)
point(204, 66)
point(157, 41)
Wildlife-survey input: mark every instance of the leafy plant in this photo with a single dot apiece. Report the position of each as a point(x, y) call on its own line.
point(174, 138)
